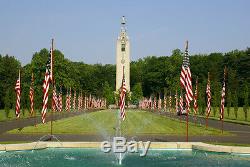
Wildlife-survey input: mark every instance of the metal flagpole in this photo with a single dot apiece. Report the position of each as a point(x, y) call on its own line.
point(52, 80)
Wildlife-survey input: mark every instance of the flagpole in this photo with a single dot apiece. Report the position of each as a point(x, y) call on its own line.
point(52, 80)
point(224, 84)
point(196, 97)
point(187, 125)
point(180, 107)
point(207, 105)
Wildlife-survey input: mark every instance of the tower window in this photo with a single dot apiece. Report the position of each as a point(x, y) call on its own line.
point(123, 48)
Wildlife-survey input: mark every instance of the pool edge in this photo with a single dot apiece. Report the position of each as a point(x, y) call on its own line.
point(153, 145)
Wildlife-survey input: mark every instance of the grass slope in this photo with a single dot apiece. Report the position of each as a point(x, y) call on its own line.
point(104, 122)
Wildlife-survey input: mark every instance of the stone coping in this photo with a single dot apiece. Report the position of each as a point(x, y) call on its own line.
point(153, 145)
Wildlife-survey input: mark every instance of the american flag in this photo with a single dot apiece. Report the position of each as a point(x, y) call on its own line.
point(74, 101)
point(165, 103)
point(170, 103)
point(208, 91)
point(85, 102)
point(54, 100)
point(46, 87)
point(31, 95)
point(150, 103)
point(181, 103)
point(66, 101)
point(159, 103)
point(89, 101)
point(69, 100)
point(185, 79)
point(155, 104)
point(122, 98)
point(79, 102)
point(176, 101)
point(18, 95)
point(60, 100)
point(196, 97)
point(223, 93)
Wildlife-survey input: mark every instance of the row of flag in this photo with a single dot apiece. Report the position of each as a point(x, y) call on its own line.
point(78, 103)
point(164, 104)
point(186, 85)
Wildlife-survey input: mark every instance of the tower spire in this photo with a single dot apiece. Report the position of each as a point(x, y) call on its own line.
point(123, 24)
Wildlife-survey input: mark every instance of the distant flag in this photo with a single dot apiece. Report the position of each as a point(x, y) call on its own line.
point(31, 95)
point(170, 103)
point(60, 100)
point(85, 102)
point(176, 102)
point(150, 103)
point(54, 100)
point(46, 82)
point(159, 103)
point(196, 97)
point(155, 104)
point(74, 101)
point(122, 98)
point(165, 103)
point(181, 103)
point(69, 101)
point(79, 101)
point(223, 93)
point(18, 95)
point(208, 92)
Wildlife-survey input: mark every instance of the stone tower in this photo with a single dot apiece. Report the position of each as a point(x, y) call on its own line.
point(123, 57)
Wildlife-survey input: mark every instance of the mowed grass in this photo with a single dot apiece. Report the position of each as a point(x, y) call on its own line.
point(12, 115)
point(104, 122)
point(231, 117)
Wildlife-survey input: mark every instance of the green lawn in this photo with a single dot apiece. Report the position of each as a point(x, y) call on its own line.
point(12, 115)
point(104, 122)
point(231, 117)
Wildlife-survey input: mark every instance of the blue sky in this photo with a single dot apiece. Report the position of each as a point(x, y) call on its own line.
point(86, 30)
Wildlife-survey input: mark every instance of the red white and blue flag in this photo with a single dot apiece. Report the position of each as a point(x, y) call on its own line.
point(208, 92)
point(18, 95)
point(223, 93)
point(31, 95)
point(46, 82)
point(122, 98)
point(186, 79)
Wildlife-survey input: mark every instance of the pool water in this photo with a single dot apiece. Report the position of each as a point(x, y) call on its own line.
point(60, 157)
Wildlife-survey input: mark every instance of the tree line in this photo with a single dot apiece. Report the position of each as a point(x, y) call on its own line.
point(150, 76)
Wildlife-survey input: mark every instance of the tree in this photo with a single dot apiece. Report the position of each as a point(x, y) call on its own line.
point(215, 96)
point(201, 97)
point(235, 104)
point(136, 94)
point(8, 101)
point(108, 94)
point(246, 103)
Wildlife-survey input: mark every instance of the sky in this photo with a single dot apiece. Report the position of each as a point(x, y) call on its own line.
point(87, 30)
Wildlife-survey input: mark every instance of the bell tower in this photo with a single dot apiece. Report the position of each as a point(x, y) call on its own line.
point(123, 57)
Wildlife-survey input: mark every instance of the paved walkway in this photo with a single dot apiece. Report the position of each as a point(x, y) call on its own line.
point(241, 133)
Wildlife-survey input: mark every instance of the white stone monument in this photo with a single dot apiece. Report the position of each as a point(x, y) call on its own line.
point(123, 57)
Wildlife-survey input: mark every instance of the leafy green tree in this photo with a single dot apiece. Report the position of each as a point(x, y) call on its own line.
point(201, 98)
point(108, 93)
point(246, 99)
point(235, 104)
point(137, 93)
point(8, 101)
point(215, 96)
